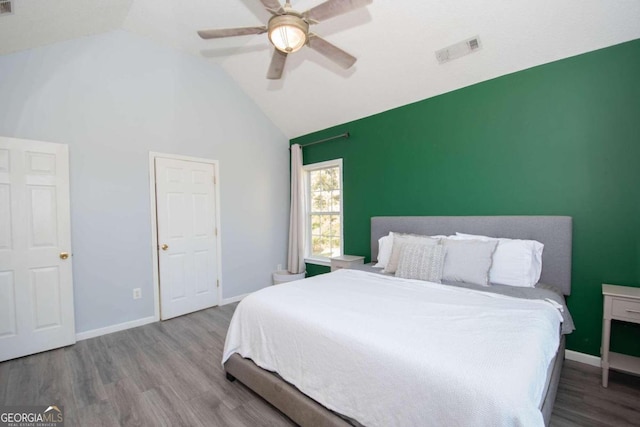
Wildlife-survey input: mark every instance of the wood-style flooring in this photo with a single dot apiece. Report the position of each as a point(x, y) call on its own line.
point(169, 374)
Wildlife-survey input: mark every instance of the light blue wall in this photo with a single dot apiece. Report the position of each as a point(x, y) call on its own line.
point(115, 97)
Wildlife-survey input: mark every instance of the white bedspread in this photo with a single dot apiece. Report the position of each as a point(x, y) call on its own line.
point(394, 352)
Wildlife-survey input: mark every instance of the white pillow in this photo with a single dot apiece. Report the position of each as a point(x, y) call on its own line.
point(515, 262)
point(398, 240)
point(385, 245)
point(467, 260)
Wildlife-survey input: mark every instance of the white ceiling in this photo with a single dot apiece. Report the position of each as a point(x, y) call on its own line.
point(394, 42)
point(37, 23)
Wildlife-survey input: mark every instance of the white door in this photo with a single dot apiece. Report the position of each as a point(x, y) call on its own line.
point(187, 246)
point(36, 289)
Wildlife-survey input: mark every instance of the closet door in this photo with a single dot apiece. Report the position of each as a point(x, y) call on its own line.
point(187, 236)
point(36, 287)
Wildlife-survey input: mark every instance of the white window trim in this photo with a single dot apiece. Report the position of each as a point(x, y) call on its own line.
point(307, 239)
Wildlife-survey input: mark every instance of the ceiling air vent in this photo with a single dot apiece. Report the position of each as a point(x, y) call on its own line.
point(6, 7)
point(457, 50)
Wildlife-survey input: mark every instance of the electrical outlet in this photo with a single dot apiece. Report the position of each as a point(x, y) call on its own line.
point(137, 293)
point(279, 267)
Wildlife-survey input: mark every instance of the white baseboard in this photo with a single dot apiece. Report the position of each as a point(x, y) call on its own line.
point(231, 300)
point(135, 323)
point(114, 328)
point(587, 359)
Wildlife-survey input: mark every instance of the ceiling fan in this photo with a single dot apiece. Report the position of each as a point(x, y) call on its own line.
point(288, 31)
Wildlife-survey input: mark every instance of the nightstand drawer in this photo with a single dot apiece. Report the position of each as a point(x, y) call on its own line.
point(626, 309)
point(337, 265)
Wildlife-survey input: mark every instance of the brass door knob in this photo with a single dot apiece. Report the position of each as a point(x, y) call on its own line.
point(165, 247)
point(64, 255)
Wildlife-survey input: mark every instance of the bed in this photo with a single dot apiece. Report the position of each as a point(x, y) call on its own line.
point(346, 382)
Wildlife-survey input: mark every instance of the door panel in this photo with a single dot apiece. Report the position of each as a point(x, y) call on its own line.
point(201, 226)
point(4, 160)
point(5, 216)
point(201, 270)
point(41, 163)
point(178, 276)
point(176, 219)
point(7, 304)
point(46, 292)
point(36, 288)
point(186, 218)
point(43, 224)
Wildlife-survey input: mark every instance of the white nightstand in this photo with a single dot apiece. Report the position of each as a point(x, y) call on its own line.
point(345, 261)
point(620, 303)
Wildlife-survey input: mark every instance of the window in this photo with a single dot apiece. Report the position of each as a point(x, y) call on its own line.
point(324, 210)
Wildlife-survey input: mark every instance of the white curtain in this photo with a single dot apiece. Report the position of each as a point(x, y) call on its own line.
point(296, 218)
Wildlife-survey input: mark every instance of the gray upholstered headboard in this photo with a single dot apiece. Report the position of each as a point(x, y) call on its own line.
point(553, 231)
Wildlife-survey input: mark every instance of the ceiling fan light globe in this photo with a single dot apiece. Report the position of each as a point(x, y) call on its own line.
point(288, 33)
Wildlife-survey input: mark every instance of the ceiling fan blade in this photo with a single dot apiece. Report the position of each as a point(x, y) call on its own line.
point(332, 8)
point(277, 65)
point(273, 5)
point(332, 52)
point(231, 32)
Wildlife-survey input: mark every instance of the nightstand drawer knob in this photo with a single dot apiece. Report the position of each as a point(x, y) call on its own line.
point(633, 311)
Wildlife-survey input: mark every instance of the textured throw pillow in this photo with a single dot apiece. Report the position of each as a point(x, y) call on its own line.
point(422, 262)
point(398, 240)
point(385, 244)
point(515, 263)
point(468, 261)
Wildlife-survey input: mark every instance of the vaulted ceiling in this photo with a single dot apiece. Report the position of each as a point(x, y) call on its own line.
point(394, 41)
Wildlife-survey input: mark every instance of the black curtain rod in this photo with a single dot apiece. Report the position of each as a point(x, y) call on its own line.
point(344, 135)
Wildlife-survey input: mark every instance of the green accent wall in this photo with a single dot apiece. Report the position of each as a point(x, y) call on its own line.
point(315, 269)
point(558, 139)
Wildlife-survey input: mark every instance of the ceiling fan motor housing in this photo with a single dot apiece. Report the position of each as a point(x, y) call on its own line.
point(288, 32)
